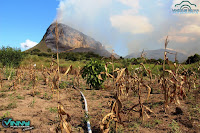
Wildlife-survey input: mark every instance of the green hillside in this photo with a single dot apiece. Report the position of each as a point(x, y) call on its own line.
point(40, 46)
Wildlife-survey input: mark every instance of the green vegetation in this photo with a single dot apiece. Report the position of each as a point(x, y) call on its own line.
point(78, 56)
point(174, 126)
point(9, 106)
point(20, 97)
point(63, 84)
point(35, 51)
point(193, 59)
point(47, 97)
point(53, 109)
point(32, 103)
point(11, 56)
point(91, 71)
point(9, 73)
point(41, 46)
point(49, 50)
point(5, 115)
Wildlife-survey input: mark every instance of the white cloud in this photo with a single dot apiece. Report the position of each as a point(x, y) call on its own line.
point(80, 9)
point(28, 44)
point(132, 24)
point(183, 34)
point(181, 39)
point(130, 21)
point(191, 29)
point(131, 3)
point(159, 3)
point(134, 4)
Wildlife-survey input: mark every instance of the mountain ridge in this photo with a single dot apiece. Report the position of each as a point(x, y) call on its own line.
point(159, 53)
point(71, 40)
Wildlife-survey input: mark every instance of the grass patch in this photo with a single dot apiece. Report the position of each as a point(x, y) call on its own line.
point(5, 115)
point(63, 84)
point(46, 96)
point(9, 106)
point(134, 126)
point(20, 97)
point(32, 103)
point(36, 92)
point(174, 126)
point(152, 123)
point(53, 109)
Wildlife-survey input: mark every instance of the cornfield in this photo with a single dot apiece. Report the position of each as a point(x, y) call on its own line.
point(126, 103)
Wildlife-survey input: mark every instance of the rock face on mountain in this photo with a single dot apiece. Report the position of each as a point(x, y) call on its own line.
point(159, 53)
point(70, 40)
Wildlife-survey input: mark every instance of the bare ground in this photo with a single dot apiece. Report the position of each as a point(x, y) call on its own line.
point(41, 109)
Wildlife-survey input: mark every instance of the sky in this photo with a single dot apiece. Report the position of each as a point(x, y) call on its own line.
point(126, 26)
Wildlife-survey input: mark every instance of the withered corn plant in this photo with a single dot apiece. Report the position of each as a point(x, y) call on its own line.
point(20, 75)
point(64, 125)
point(33, 77)
point(190, 78)
point(114, 115)
point(1, 80)
point(123, 82)
point(138, 84)
point(52, 64)
point(46, 74)
point(175, 80)
point(76, 80)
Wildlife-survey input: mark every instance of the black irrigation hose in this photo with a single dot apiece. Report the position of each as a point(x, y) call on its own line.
point(86, 111)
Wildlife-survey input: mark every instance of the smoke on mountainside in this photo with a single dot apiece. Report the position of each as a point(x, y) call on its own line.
point(128, 26)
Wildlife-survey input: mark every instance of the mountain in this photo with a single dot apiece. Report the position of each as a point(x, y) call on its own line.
point(70, 40)
point(159, 53)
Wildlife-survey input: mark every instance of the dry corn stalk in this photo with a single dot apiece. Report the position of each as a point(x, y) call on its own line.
point(46, 75)
point(1, 81)
point(33, 77)
point(138, 83)
point(64, 123)
point(115, 110)
point(114, 115)
point(77, 77)
point(20, 75)
point(105, 123)
point(121, 83)
point(55, 83)
point(173, 85)
point(51, 64)
point(148, 71)
point(13, 84)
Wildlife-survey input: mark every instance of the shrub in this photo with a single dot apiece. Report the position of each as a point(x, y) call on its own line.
point(91, 71)
point(193, 59)
point(35, 51)
point(11, 56)
point(125, 62)
point(49, 50)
